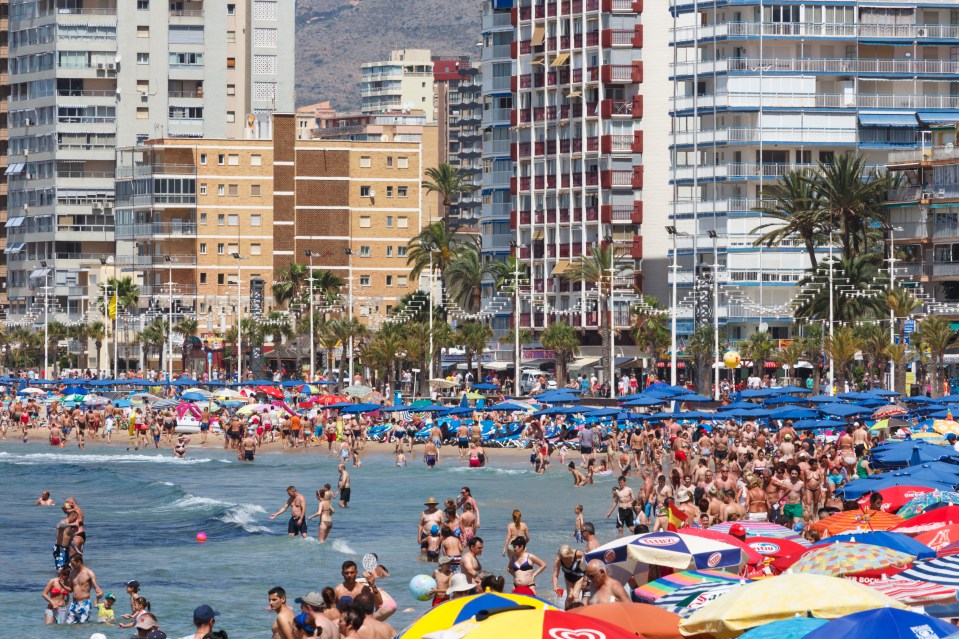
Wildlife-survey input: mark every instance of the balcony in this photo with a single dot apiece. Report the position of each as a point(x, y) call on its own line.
point(733, 135)
point(746, 170)
point(814, 101)
point(909, 32)
point(924, 154)
point(945, 269)
point(687, 207)
point(882, 67)
point(155, 260)
point(155, 230)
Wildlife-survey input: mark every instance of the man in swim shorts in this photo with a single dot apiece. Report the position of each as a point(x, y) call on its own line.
point(343, 486)
point(82, 580)
point(297, 505)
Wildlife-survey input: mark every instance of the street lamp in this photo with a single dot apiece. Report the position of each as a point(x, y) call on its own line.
point(310, 254)
point(892, 313)
point(832, 360)
point(349, 256)
point(239, 320)
point(715, 238)
point(675, 302)
point(46, 321)
point(612, 317)
point(169, 260)
point(106, 319)
point(516, 318)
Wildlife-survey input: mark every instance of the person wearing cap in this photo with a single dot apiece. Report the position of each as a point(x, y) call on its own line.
point(738, 531)
point(105, 612)
point(460, 586)
point(283, 625)
point(312, 621)
point(432, 516)
point(146, 624)
point(156, 634)
point(203, 619)
point(442, 576)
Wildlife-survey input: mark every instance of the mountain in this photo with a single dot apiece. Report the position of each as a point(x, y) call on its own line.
point(335, 36)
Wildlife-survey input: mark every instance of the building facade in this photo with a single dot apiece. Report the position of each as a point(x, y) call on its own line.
point(402, 83)
point(763, 88)
point(88, 78)
point(578, 152)
point(459, 113)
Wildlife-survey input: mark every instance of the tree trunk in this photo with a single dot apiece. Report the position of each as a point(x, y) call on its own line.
point(934, 384)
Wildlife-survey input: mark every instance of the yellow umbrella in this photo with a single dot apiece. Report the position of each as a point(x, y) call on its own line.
point(450, 613)
point(946, 426)
point(783, 597)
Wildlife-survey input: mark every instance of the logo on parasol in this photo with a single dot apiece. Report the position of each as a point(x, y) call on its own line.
point(664, 540)
point(765, 547)
point(714, 559)
point(579, 633)
point(609, 556)
point(923, 632)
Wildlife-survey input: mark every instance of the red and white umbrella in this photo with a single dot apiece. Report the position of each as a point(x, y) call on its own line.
point(889, 411)
point(914, 593)
point(895, 497)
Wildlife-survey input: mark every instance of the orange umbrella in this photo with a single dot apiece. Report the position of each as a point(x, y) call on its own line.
point(645, 620)
point(853, 520)
point(940, 538)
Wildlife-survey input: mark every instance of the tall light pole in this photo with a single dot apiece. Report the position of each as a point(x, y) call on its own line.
point(832, 361)
point(715, 238)
point(516, 318)
point(310, 254)
point(239, 320)
point(169, 337)
point(892, 313)
point(675, 304)
point(612, 317)
point(46, 321)
point(106, 319)
point(429, 374)
point(349, 256)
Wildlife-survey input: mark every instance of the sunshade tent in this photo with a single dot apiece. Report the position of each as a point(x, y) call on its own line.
point(783, 597)
point(940, 537)
point(507, 406)
point(885, 539)
point(843, 410)
point(883, 623)
point(795, 628)
point(929, 520)
point(687, 600)
point(360, 408)
point(914, 593)
point(672, 549)
point(859, 487)
point(659, 588)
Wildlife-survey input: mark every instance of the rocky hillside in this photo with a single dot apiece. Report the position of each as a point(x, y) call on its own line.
point(335, 36)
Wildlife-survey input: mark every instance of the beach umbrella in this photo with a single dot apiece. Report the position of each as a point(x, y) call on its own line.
point(531, 624)
point(775, 548)
point(823, 399)
point(641, 619)
point(31, 391)
point(657, 589)
point(357, 390)
point(858, 520)
point(397, 408)
point(843, 410)
point(913, 593)
point(890, 410)
point(458, 410)
point(687, 600)
point(849, 557)
point(624, 556)
point(939, 538)
point(556, 397)
point(795, 628)
point(507, 407)
point(164, 404)
point(753, 557)
point(97, 401)
point(763, 529)
point(360, 408)
point(920, 400)
point(441, 383)
point(473, 396)
point(884, 623)
point(326, 400)
point(943, 571)
point(882, 392)
point(291, 383)
point(74, 390)
point(885, 539)
point(929, 520)
point(227, 393)
point(740, 406)
point(450, 613)
point(784, 399)
point(855, 396)
point(792, 412)
point(646, 401)
point(201, 391)
point(813, 424)
point(145, 397)
point(249, 409)
point(485, 386)
point(194, 397)
point(693, 398)
point(783, 597)
point(946, 426)
point(792, 390)
point(889, 422)
point(270, 391)
point(928, 501)
point(859, 487)
point(894, 497)
point(427, 408)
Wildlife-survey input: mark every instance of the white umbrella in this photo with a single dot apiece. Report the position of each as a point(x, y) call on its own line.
point(201, 391)
point(33, 391)
point(442, 383)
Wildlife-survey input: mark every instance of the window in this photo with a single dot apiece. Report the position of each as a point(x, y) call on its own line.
point(231, 63)
point(389, 250)
point(143, 5)
point(202, 218)
point(143, 31)
point(202, 188)
point(143, 113)
point(364, 280)
point(364, 191)
point(389, 191)
point(220, 159)
point(366, 221)
point(143, 58)
point(365, 161)
point(203, 158)
point(220, 219)
point(231, 9)
point(255, 190)
point(220, 189)
point(364, 251)
point(233, 190)
point(220, 249)
point(231, 116)
point(255, 249)
point(233, 248)
point(389, 221)
point(402, 191)
point(220, 278)
point(389, 280)
point(389, 161)
point(402, 163)
point(202, 278)
point(401, 281)
point(233, 159)
point(202, 248)
point(401, 251)
point(231, 36)
point(256, 160)
point(255, 220)
point(402, 222)
point(231, 89)
point(233, 219)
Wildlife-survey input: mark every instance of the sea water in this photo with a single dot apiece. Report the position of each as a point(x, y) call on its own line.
point(144, 509)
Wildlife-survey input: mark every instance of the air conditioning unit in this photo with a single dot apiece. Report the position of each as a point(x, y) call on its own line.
point(927, 195)
point(922, 33)
point(111, 66)
point(100, 66)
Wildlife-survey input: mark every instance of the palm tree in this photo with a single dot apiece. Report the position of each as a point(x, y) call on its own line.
point(561, 338)
point(473, 336)
point(465, 276)
point(793, 204)
point(96, 330)
point(290, 282)
point(383, 350)
point(327, 338)
point(874, 340)
point(789, 356)
point(700, 348)
point(758, 347)
point(902, 304)
point(855, 295)
point(153, 337)
point(599, 269)
point(448, 182)
point(842, 347)
point(650, 329)
point(276, 326)
point(434, 245)
point(345, 330)
point(186, 327)
point(128, 298)
point(936, 334)
point(812, 345)
point(508, 274)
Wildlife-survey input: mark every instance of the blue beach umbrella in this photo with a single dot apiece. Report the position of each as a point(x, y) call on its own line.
point(791, 412)
point(556, 397)
point(792, 390)
point(646, 401)
point(507, 406)
point(360, 408)
point(884, 623)
point(813, 424)
point(794, 628)
point(484, 386)
point(843, 410)
point(194, 397)
point(823, 399)
point(693, 398)
point(784, 399)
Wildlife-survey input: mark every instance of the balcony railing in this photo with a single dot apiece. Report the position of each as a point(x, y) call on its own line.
point(818, 29)
point(929, 153)
point(821, 65)
point(945, 269)
point(755, 134)
point(815, 101)
point(747, 170)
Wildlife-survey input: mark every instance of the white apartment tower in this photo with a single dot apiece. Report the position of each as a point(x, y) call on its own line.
point(402, 83)
point(90, 76)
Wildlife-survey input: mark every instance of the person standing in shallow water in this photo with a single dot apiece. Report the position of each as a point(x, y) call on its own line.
point(297, 505)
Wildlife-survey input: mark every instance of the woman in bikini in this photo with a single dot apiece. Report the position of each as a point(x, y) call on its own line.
point(57, 595)
point(525, 567)
point(324, 511)
point(514, 529)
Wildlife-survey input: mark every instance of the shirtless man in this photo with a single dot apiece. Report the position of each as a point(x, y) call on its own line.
point(297, 505)
point(463, 440)
point(248, 448)
point(283, 627)
point(432, 516)
point(795, 487)
point(622, 502)
point(732, 511)
point(579, 479)
point(469, 562)
point(431, 453)
point(343, 486)
point(860, 439)
point(589, 536)
point(372, 627)
point(82, 580)
point(603, 589)
point(349, 587)
point(314, 606)
point(80, 532)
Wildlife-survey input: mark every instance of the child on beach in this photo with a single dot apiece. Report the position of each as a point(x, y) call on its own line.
point(578, 524)
point(105, 612)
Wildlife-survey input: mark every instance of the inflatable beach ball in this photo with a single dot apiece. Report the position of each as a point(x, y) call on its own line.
point(731, 359)
point(420, 587)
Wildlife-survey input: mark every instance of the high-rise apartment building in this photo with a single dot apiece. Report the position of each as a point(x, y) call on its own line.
point(578, 151)
point(4, 111)
point(459, 113)
point(89, 77)
point(402, 83)
point(763, 88)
